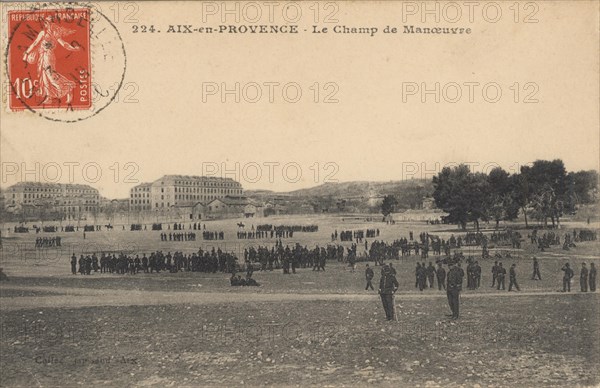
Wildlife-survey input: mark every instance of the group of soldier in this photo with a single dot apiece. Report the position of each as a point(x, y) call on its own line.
point(388, 285)
point(189, 236)
point(47, 242)
point(201, 261)
point(290, 259)
point(354, 235)
point(286, 228)
point(587, 278)
point(260, 234)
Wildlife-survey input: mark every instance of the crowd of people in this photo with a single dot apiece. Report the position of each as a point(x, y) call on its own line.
point(354, 235)
point(290, 259)
point(262, 234)
point(201, 261)
point(189, 236)
point(289, 228)
point(47, 242)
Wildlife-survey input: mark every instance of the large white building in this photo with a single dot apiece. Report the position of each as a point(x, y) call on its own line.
point(67, 201)
point(180, 191)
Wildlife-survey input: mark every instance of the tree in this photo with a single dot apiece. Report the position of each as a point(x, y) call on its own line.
point(547, 189)
point(582, 188)
point(388, 205)
point(502, 205)
point(462, 194)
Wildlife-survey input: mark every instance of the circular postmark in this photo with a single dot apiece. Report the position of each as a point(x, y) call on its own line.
point(65, 61)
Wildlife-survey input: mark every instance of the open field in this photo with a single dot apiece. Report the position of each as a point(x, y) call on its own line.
point(311, 328)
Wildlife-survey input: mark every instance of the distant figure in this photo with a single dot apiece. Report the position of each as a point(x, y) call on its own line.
point(369, 274)
point(441, 277)
point(500, 276)
point(536, 270)
point(513, 278)
point(74, 264)
point(387, 287)
point(494, 273)
point(453, 289)
point(567, 277)
point(592, 277)
point(583, 278)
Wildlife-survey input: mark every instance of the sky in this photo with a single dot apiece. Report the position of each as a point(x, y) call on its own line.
point(377, 124)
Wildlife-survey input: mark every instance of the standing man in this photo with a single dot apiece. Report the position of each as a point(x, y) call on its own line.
point(387, 287)
point(441, 277)
point(392, 269)
point(494, 273)
point(74, 264)
point(536, 270)
point(567, 277)
point(369, 275)
point(455, 279)
point(500, 275)
point(592, 277)
point(430, 274)
point(583, 278)
point(477, 275)
point(513, 278)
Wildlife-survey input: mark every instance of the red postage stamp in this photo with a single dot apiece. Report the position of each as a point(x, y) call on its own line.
point(49, 61)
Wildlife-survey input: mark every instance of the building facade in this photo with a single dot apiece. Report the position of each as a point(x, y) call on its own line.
point(181, 191)
point(233, 207)
point(140, 199)
point(54, 200)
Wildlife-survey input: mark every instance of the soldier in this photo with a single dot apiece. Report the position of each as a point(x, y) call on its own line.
point(145, 263)
point(441, 277)
point(88, 265)
point(81, 265)
point(501, 274)
point(568, 275)
point(74, 264)
point(430, 274)
point(392, 269)
point(592, 276)
point(536, 270)
point(423, 277)
point(583, 278)
point(387, 287)
point(233, 280)
point(369, 276)
point(477, 274)
point(494, 273)
point(513, 278)
point(417, 272)
point(455, 279)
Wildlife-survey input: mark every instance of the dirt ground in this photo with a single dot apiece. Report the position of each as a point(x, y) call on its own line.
point(321, 329)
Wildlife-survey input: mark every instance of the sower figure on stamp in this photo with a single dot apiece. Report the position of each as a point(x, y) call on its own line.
point(387, 287)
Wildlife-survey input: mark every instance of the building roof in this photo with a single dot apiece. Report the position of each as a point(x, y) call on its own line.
point(196, 178)
point(52, 185)
point(232, 200)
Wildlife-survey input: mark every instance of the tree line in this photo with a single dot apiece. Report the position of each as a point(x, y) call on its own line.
point(543, 191)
